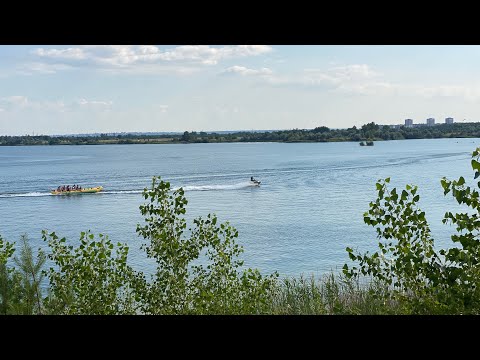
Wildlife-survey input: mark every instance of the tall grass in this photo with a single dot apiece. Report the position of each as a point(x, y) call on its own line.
point(331, 294)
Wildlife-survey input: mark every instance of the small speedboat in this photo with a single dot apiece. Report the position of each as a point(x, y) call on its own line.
point(75, 192)
point(255, 182)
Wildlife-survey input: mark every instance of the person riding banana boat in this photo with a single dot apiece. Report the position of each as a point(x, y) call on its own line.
point(69, 188)
point(75, 189)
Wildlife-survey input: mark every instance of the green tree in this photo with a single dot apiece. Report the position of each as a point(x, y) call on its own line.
point(462, 269)
point(8, 280)
point(406, 260)
point(93, 278)
point(186, 136)
point(422, 279)
point(321, 129)
point(182, 284)
point(31, 276)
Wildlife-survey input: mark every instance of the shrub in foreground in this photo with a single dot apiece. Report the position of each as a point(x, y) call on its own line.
point(420, 278)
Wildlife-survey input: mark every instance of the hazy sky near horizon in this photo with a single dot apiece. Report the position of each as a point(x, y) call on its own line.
point(86, 89)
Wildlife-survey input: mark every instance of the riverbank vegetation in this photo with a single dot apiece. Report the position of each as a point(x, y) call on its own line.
point(367, 132)
point(200, 271)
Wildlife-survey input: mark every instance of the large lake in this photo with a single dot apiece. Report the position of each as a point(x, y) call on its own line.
point(308, 209)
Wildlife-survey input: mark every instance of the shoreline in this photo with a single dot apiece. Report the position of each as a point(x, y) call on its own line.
point(367, 133)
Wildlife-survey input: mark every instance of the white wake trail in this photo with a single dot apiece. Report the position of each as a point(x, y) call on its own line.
point(30, 194)
point(237, 186)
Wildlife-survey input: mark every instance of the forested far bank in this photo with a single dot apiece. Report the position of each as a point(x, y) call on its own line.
point(367, 132)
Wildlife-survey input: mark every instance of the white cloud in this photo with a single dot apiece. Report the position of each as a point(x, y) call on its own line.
point(354, 79)
point(85, 102)
point(353, 72)
point(349, 78)
point(41, 68)
point(241, 70)
point(210, 55)
point(163, 69)
point(367, 88)
point(58, 105)
point(163, 108)
point(148, 49)
point(134, 56)
point(340, 76)
point(70, 53)
point(222, 110)
point(468, 93)
point(18, 103)
point(16, 100)
point(360, 79)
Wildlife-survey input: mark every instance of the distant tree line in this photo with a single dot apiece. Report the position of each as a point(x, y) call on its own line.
point(367, 132)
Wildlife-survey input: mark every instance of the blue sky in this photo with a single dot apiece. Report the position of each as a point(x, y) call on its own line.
point(85, 89)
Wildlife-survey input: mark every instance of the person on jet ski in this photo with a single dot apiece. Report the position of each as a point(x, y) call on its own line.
point(256, 182)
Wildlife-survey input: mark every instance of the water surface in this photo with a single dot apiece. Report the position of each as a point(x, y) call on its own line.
point(308, 209)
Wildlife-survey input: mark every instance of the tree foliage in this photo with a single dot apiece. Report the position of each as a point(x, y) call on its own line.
point(7, 281)
point(406, 259)
point(20, 291)
point(423, 279)
point(93, 278)
point(197, 272)
point(29, 272)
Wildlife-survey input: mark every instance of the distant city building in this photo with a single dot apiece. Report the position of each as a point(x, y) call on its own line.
point(408, 122)
point(449, 120)
point(430, 121)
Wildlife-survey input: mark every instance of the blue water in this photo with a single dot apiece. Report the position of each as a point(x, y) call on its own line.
point(308, 209)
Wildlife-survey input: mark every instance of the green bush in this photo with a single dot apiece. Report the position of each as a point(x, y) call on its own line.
point(20, 291)
point(420, 278)
point(7, 279)
point(93, 278)
point(182, 284)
